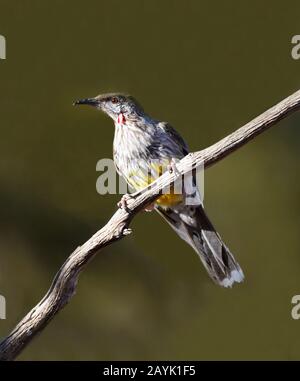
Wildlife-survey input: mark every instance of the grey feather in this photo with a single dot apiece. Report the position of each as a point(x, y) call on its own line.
point(194, 227)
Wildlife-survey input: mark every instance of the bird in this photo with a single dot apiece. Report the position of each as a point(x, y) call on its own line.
point(144, 148)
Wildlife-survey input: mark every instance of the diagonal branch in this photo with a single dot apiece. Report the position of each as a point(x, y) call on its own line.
point(64, 284)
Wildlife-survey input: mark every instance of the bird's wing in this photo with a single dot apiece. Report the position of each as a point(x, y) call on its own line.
point(171, 141)
point(172, 145)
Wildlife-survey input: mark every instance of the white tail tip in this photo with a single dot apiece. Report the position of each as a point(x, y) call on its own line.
point(235, 276)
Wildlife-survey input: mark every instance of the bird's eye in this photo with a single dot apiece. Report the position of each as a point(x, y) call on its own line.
point(114, 100)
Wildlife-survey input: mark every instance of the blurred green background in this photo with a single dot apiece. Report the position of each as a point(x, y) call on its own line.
point(206, 67)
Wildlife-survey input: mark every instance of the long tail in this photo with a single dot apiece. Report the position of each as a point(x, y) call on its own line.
point(193, 226)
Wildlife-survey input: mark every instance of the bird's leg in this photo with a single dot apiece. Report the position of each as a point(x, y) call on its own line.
point(171, 167)
point(123, 203)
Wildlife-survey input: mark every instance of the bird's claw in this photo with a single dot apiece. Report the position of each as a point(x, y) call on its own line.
point(123, 203)
point(127, 231)
point(172, 168)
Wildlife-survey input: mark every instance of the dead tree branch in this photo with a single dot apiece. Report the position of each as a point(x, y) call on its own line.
point(64, 284)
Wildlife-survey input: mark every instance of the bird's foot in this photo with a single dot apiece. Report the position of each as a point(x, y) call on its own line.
point(172, 168)
point(123, 203)
point(127, 231)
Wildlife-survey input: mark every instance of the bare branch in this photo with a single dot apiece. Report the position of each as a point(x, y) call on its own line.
point(64, 284)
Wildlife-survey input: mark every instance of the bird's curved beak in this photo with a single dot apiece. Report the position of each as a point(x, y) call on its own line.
point(87, 101)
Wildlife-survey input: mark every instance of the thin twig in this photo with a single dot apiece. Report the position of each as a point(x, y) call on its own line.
point(64, 284)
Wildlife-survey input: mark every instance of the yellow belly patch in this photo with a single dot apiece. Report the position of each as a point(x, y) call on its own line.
point(138, 180)
point(169, 199)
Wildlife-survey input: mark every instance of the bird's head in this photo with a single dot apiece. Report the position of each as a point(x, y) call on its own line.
point(119, 107)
